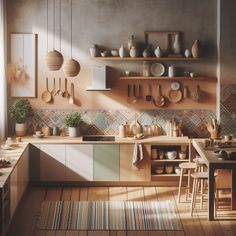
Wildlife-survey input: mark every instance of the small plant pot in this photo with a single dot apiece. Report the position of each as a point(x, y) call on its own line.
point(20, 129)
point(73, 132)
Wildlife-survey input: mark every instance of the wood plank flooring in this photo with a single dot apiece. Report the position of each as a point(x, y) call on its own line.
point(24, 221)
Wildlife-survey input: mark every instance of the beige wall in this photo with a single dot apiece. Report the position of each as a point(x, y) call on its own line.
point(109, 23)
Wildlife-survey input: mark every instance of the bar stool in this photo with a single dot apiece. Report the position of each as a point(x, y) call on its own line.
point(200, 163)
point(187, 166)
point(198, 177)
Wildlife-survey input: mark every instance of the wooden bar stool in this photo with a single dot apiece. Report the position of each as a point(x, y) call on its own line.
point(187, 166)
point(198, 177)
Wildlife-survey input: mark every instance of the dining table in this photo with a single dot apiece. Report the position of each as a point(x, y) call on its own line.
point(214, 163)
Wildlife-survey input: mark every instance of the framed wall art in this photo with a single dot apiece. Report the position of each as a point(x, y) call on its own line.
point(22, 72)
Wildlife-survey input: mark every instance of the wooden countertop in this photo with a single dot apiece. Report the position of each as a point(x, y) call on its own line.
point(78, 140)
point(14, 155)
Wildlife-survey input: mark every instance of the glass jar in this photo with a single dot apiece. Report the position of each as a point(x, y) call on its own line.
point(146, 68)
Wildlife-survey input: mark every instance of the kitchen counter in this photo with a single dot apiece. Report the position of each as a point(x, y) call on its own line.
point(78, 140)
point(13, 156)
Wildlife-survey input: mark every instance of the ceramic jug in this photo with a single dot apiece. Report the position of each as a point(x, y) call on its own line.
point(187, 53)
point(94, 50)
point(158, 52)
point(131, 42)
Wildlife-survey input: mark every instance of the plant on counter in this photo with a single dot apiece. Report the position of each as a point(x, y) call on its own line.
point(20, 111)
point(73, 121)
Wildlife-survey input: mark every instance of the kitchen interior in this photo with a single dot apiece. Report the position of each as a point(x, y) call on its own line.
point(117, 117)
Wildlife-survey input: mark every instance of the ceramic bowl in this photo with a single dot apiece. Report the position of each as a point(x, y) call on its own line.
point(114, 53)
point(177, 170)
point(169, 169)
point(104, 54)
point(171, 155)
point(159, 169)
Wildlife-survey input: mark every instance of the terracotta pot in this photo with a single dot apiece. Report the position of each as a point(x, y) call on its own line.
point(20, 129)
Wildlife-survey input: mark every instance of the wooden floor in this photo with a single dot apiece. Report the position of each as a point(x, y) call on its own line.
point(24, 221)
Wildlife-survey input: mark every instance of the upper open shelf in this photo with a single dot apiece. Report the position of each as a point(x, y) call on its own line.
point(148, 59)
point(168, 78)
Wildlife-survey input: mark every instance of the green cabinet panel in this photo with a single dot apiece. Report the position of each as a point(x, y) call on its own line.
point(106, 162)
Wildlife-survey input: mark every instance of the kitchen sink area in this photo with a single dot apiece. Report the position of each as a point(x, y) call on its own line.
point(98, 138)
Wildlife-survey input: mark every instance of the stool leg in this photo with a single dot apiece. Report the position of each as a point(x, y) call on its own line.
point(180, 184)
point(202, 191)
point(193, 197)
point(188, 186)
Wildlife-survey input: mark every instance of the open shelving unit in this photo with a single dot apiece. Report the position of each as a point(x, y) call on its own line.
point(168, 78)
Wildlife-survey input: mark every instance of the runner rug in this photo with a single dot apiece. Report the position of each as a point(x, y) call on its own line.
point(108, 215)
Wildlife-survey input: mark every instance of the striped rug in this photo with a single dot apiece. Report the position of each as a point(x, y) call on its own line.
point(108, 215)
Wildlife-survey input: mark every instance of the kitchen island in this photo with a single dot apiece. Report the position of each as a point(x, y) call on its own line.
point(214, 163)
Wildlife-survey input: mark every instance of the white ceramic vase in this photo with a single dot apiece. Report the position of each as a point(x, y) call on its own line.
point(73, 132)
point(187, 53)
point(122, 51)
point(133, 52)
point(20, 129)
point(176, 45)
point(94, 51)
point(158, 52)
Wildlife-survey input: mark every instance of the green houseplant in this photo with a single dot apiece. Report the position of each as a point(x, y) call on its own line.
point(72, 121)
point(20, 111)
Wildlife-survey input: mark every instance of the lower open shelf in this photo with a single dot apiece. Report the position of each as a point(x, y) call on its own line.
point(156, 177)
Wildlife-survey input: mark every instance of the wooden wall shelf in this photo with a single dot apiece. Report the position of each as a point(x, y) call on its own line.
point(207, 79)
point(167, 160)
point(148, 59)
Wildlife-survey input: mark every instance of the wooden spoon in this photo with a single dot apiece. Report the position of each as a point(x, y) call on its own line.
point(149, 93)
point(71, 99)
point(134, 100)
point(128, 97)
point(160, 100)
point(54, 92)
point(46, 95)
point(66, 93)
point(59, 91)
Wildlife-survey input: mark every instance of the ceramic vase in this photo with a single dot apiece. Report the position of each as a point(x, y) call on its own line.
point(187, 53)
point(158, 52)
point(122, 51)
point(20, 129)
point(196, 49)
point(176, 45)
point(94, 50)
point(133, 52)
point(131, 42)
point(171, 71)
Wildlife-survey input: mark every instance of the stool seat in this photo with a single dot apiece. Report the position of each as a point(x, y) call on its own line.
point(200, 175)
point(188, 165)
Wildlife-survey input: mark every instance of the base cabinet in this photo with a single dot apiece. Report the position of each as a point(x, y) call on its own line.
point(106, 162)
point(52, 162)
point(79, 162)
point(129, 172)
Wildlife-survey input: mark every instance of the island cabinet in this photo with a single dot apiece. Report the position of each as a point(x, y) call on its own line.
point(106, 162)
point(52, 162)
point(79, 162)
point(129, 172)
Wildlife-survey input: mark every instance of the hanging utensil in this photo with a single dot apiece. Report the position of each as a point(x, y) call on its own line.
point(175, 96)
point(129, 97)
point(46, 95)
point(66, 93)
point(71, 99)
point(149, 93)
point(185, 92)
point(134, 100)
point(54, 92)
point(59, 91)
point(139, 91)
point(196, 94)
point(160, 100)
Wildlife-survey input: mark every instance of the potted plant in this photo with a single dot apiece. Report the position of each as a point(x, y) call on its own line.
point(72, 121)
point(20, 112)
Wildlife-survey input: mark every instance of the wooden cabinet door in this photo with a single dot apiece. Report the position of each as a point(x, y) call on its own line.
point(79, 162)
point(52, 162)
point(106, 162)
point(129, 172)
point(23, 173)
point(13, 191)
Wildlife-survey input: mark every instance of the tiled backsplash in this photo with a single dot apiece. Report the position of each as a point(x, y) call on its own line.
point(228, 108)
point(108, 121)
